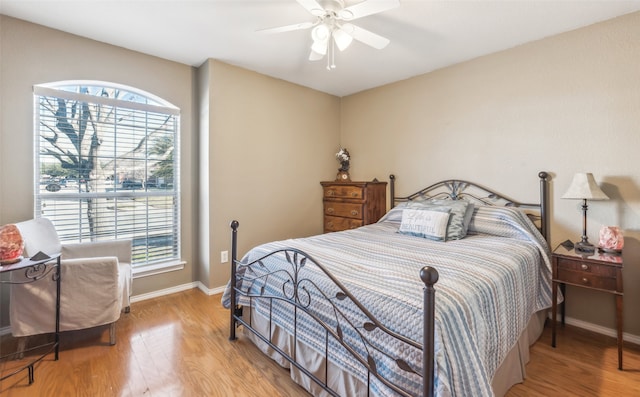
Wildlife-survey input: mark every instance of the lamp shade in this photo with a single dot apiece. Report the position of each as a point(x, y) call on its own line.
point(584, 187)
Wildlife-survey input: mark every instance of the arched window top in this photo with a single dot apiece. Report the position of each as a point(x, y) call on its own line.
point(105, 92)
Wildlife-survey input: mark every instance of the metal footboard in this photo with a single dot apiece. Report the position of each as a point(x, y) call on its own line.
point(350, 330)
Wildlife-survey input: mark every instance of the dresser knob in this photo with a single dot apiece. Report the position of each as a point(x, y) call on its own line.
point(330, 224)
point(354, 212)
point(330, 210)
point(330, 192)
point(354, 194)
point(584, 267)
point(585, 280)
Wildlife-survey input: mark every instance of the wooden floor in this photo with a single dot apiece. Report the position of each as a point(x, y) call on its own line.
point(177, 346)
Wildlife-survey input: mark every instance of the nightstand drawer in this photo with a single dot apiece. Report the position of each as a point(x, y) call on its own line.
point(587, 279)
point(347, 210)
point(335, 224)
point(586, 267)
point(347, 191)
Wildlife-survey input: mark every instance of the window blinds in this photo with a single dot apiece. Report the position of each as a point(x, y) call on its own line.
point(107, 168)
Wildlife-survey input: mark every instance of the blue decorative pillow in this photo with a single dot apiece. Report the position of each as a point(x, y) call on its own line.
point(430, 224)
point(459, 219)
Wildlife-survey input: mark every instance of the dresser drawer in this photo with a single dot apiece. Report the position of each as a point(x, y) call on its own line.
point(587, 279)
point(346, 191)
point(586, 267)
point(348, 210)
point(336, 224)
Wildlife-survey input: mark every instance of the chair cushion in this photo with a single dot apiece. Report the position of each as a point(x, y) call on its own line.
point(39, 235)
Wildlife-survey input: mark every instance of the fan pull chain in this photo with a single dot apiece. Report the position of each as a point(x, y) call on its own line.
point(331, 58)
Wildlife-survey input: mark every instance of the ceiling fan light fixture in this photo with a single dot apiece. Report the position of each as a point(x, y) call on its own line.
point(322, 32)
point(332, 26)
point(320, 47)
point(342, 39)
point(314, 56)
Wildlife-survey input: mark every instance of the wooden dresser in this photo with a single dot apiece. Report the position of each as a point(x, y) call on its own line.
point(348, 205)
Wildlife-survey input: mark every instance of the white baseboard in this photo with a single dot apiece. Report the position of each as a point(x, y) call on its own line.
point(163, 292)
point(177, 288)
point(210, 291)
point(635, 339)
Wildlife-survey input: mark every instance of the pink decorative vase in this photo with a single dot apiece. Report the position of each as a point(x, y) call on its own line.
point(11, 244)
point(611, 239)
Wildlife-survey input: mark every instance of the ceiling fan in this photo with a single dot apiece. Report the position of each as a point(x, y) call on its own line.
point(332, 26)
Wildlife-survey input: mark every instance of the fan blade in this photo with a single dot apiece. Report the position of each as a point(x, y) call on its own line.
point(366, 8)
point(365, 36)
point(312, 6)
point(287, 28)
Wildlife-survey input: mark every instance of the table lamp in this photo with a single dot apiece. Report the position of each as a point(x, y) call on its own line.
point(584, 187)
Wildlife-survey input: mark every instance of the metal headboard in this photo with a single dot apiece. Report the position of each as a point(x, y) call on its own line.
point(456, 189)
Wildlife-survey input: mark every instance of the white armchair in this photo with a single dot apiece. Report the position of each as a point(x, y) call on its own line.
point(95, 284)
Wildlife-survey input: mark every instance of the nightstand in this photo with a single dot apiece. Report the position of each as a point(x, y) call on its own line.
point(348, 205)
point(597, 271)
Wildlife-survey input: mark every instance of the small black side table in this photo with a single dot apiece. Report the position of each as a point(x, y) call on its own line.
point(36, 268)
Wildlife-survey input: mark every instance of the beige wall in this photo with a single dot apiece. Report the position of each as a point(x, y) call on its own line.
point(269, 143)
point(565, 104)
point(32, 54)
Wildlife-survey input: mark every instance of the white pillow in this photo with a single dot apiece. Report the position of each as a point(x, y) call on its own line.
point(425, 223)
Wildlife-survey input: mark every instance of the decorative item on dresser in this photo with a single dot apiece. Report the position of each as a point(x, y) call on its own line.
point(343, 158)
point(597, 271)
point(348, 205)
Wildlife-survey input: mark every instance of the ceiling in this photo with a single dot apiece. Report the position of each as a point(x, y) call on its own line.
point(425, 35)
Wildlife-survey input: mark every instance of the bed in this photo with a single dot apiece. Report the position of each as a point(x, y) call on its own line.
point(387, 310)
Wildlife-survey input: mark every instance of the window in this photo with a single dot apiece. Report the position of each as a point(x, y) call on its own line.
point(107, 167)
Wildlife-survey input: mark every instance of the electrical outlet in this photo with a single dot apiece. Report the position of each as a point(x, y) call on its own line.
point(224, 256)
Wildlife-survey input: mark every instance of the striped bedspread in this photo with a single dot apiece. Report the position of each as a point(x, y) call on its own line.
point(490, 284)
